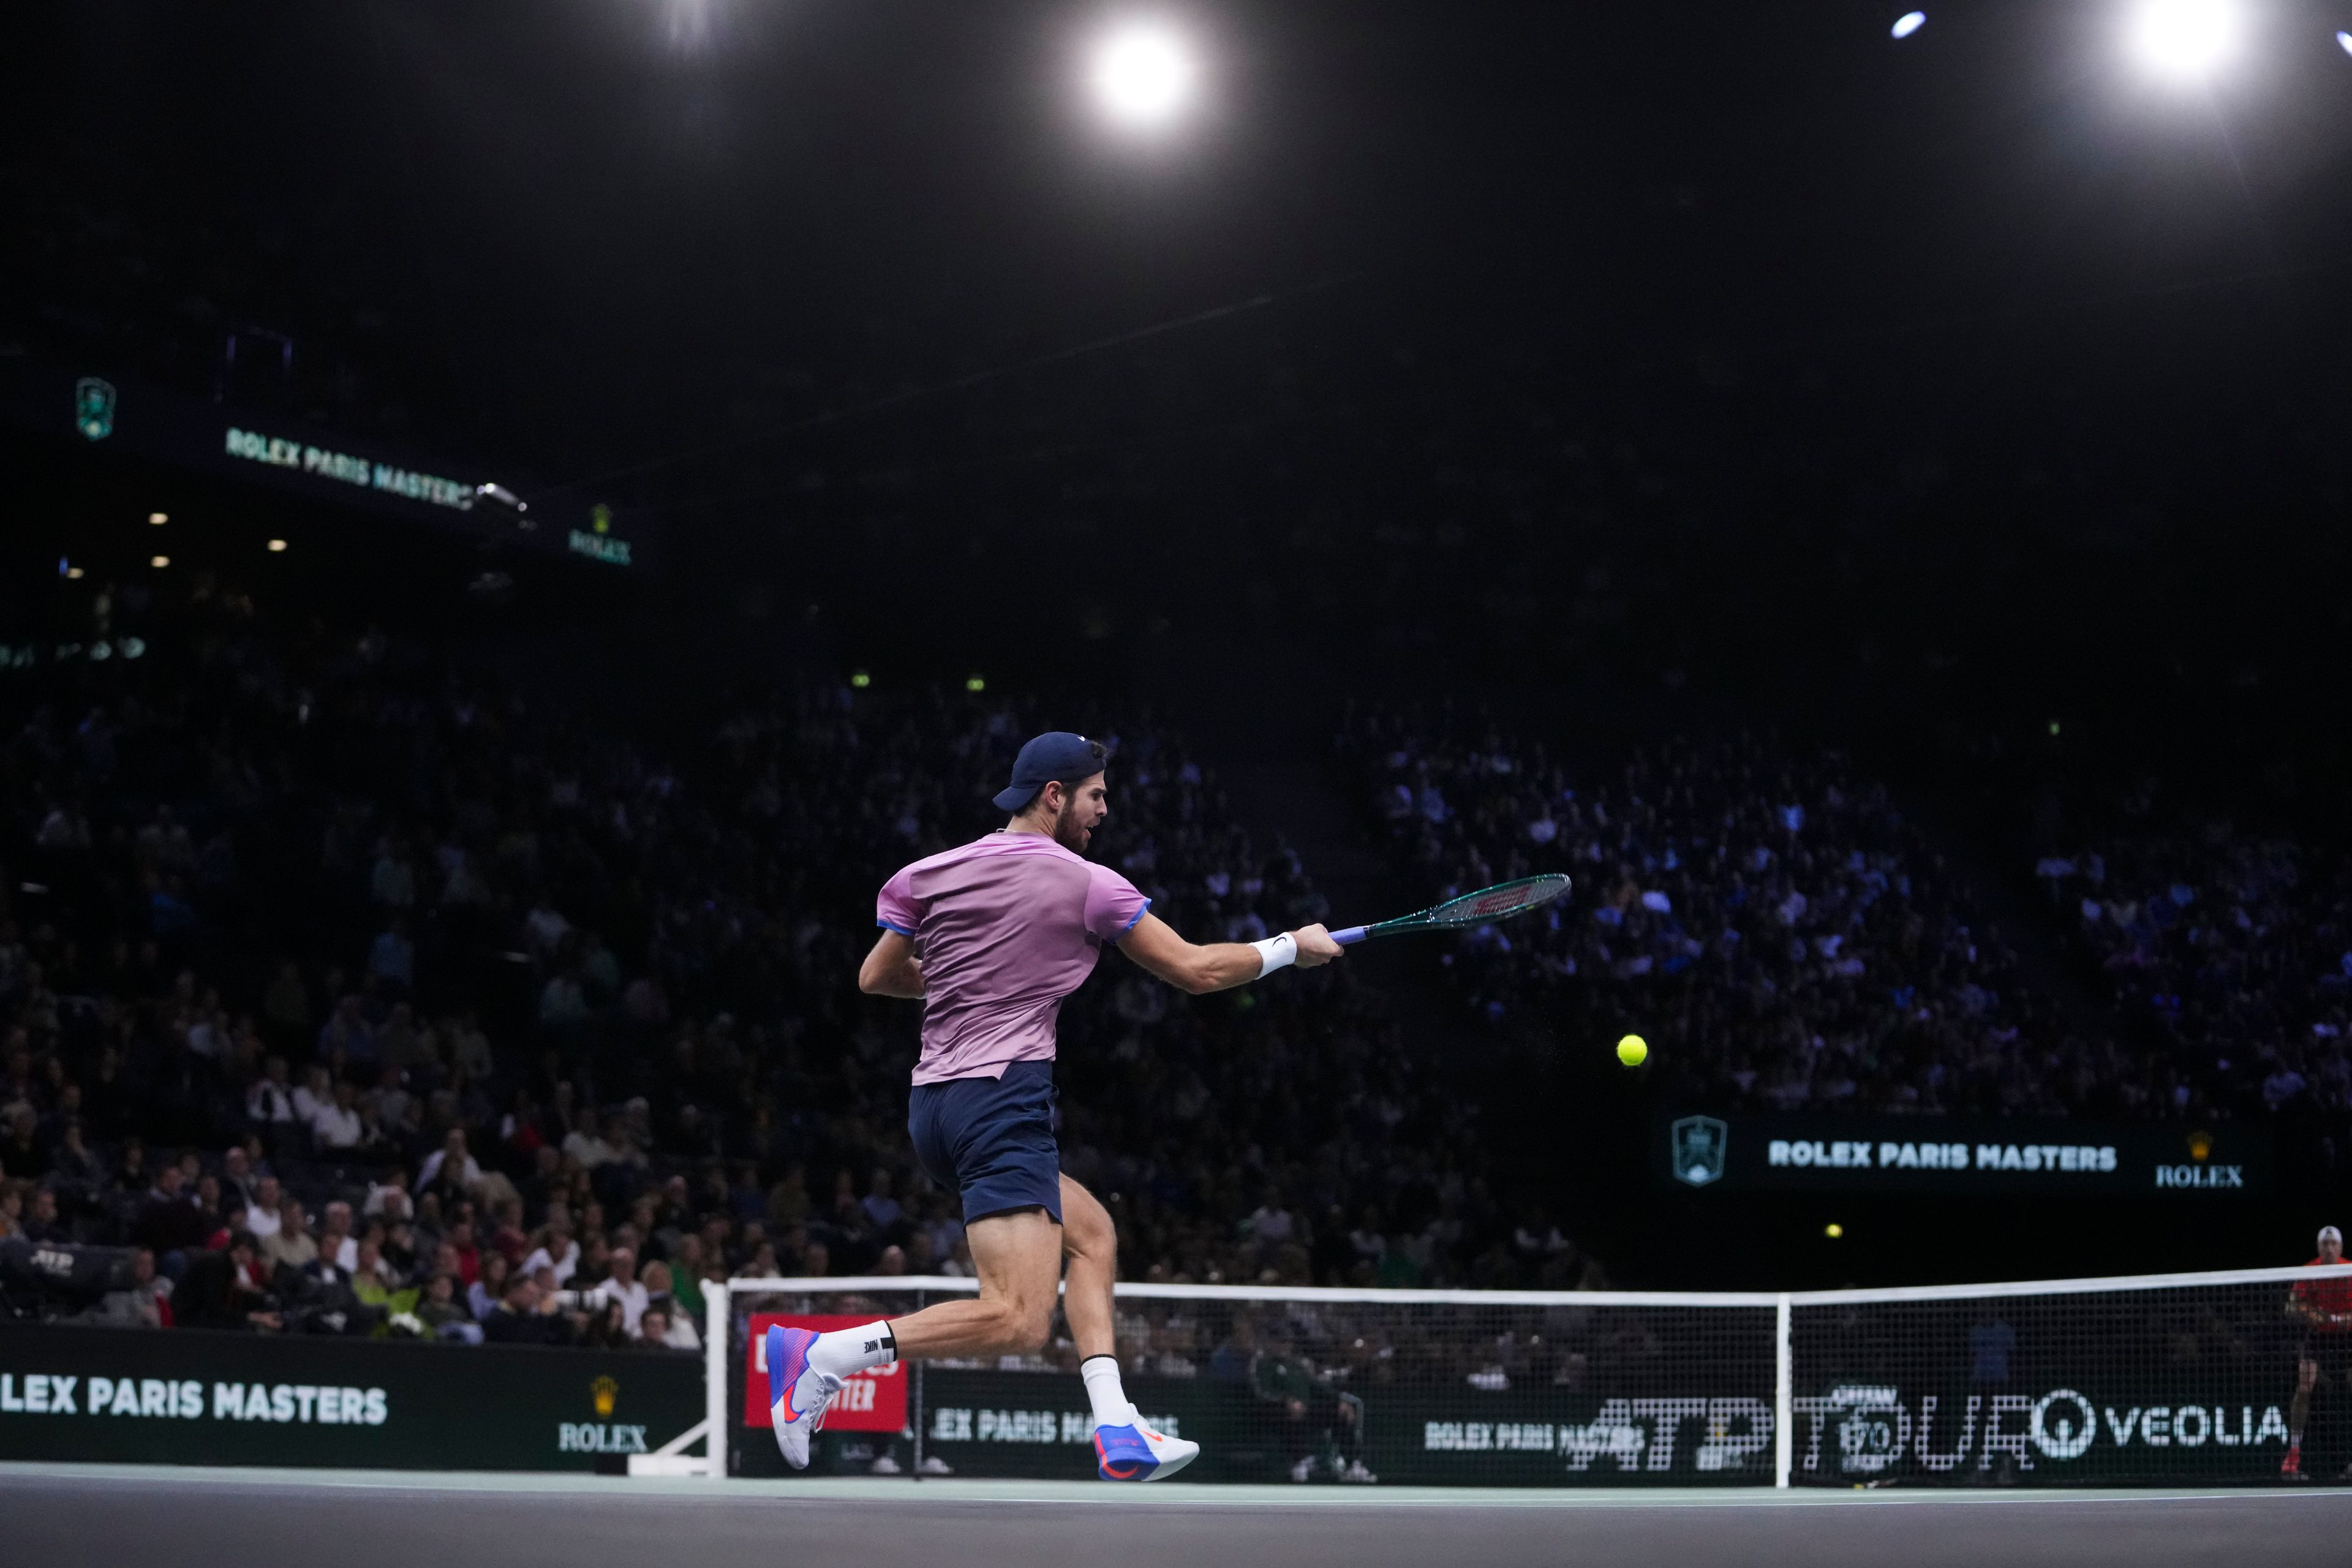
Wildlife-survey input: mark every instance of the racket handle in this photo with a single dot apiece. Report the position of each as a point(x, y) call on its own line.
point(1350, 937)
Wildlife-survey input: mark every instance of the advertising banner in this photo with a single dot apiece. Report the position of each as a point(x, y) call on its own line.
point(1034, 1426)
point(184, 1396)
point(2112, 1431)
point(112, 412)
point(1809, 1151)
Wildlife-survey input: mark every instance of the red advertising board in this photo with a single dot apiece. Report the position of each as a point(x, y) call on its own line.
point(872, 1401)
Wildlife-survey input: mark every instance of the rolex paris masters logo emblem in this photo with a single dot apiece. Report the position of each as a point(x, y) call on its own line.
point(1698, 1143)
point(94, 407)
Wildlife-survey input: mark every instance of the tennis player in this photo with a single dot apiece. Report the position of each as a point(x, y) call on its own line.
point(2323, 1309)
point(989, 938)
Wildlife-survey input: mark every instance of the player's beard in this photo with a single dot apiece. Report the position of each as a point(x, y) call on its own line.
point(1066, 831)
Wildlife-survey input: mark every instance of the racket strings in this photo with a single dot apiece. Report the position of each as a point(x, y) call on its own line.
point(1510, 898)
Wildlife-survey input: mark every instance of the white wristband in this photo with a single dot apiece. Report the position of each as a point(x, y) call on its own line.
point(1275, 953)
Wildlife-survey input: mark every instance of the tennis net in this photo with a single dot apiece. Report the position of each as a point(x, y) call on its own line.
point(2158, 1379)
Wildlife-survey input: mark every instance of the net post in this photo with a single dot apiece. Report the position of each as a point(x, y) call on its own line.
point(915, 1376)
point(1784, 1391)
point(718, 1321)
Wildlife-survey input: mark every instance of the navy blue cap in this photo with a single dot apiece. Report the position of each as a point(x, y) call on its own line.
point(1055, 754)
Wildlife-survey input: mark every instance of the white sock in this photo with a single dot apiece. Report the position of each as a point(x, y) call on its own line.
point(1111, 1408)
point(846, 1350)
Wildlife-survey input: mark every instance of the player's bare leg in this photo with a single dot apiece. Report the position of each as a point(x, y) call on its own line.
point(2298, 1410)
point(1126, 1449)
point(1018, 1255)
point(1091, 1254)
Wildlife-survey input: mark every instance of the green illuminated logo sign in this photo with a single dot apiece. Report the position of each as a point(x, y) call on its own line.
point(94, 407)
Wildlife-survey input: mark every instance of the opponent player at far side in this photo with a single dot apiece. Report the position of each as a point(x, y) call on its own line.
point(989, 938)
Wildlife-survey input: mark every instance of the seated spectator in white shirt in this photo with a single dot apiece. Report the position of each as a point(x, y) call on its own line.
point(557, 1250)
point(337, 1123)
point(626, 1287)
point(337, 1244)
point(679, 1332)
point(271, 1097)
point(261, 1218)
point(390, 1197)
point(317, 1093)
point(584, 1145)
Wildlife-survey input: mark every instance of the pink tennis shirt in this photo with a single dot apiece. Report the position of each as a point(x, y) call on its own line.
point(1006, 927)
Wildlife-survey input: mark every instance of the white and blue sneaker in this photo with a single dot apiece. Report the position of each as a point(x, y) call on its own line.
point(798, 1394)
point(1134, 1452)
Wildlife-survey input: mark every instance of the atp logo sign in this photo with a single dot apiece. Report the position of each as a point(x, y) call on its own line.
point(873, 1400)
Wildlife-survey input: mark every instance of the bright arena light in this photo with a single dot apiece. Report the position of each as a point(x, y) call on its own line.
point(1143, 75)
point(2344, 42)
point(1909, 23)
point(2185, 39)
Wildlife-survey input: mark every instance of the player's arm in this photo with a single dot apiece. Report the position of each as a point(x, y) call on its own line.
point(1202, 967)
point(892, 969)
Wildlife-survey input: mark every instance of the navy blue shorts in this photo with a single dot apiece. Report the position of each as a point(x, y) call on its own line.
point(992, 1138)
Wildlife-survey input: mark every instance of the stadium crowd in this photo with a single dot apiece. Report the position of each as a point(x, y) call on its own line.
point(354, 994)
point(2233, 950)
point(1769, 914)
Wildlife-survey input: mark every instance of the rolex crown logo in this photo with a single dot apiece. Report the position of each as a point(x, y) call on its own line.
point(605, 1391)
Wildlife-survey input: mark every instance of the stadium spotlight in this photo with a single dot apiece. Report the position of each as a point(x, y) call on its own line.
point(1143, 74)
point(2184, 40)
point(278, 547)
point(1834, 1230)
point(2344, 42)
point(159, 561)
point(1909, 23)
point(157, 519)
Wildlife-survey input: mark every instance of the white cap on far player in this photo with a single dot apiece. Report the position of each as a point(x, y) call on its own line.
point(2328, 1233)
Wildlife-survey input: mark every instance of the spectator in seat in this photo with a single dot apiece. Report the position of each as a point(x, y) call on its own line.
point(388, 1198)
point(169, 1221)
point(515, 1318)
point(489, 1289)
point(657, 1330)
point(679, 1330)
point(270, 1101)
point(607, 1327)
point(146, 1304)
point(337, 1246)
point(336, 1125)
point(261, 1216)
point(41, 1223)
point(371, 1282)
point(293, 1246)
point(238, 1180)
point(223, 1292)
point(626, 1287)
point(452, 1158)
point(317, 1093)
point(442, 1310)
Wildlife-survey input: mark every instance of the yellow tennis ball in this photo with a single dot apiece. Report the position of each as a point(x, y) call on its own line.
point(1633, 1050)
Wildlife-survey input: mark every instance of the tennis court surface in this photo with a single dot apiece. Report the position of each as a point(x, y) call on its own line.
point(63, 1516)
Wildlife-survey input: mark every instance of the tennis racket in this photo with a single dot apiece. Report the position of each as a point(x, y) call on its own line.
point(1493, 903)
